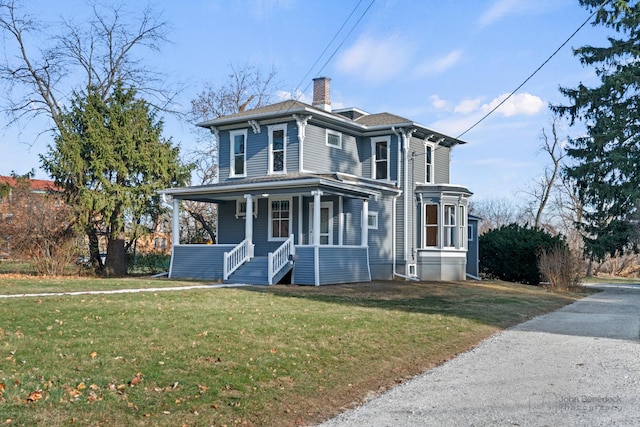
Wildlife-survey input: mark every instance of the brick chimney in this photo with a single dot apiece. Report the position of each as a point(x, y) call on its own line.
point(321, 95)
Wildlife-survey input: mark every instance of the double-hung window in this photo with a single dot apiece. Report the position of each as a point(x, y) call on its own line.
point(449, 226)
point(462, 224)
point(238, 165)
point(279, 219)
point(277, 148)
point(380, 148)
point(428, 163)
point(431, 225)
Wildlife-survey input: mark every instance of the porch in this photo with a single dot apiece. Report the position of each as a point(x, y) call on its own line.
point(316, 229)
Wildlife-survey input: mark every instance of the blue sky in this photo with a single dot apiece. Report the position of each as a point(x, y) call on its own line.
point(442, 64)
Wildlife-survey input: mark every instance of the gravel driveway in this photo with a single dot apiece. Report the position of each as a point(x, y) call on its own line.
point(578, 366)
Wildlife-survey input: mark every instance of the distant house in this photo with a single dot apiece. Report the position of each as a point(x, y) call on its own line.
point(319, 196)
point(8, 205)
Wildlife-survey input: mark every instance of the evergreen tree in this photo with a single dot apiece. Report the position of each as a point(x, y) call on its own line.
point(605, 160)
point(111, 158)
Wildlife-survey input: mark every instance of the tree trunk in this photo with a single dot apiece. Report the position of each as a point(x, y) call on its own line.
point(94, 250)
point(115, 264)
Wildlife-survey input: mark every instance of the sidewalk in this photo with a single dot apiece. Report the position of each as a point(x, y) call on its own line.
point(578, 366)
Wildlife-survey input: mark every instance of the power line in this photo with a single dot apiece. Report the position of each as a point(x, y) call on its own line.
point(536, 71)
point(344, 39)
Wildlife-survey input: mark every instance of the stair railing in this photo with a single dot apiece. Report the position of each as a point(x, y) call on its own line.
point(235, 258)
point(280, 258)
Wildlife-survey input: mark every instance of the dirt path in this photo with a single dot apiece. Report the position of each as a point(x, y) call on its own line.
point(578, 366)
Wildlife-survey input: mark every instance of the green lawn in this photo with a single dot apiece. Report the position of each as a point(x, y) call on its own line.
point(283, 355)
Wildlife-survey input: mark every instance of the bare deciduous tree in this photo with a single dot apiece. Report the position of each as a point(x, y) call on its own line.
point(247, 88)
point(39, 228)
point(45, 67)
point(541, 190)
point(496, 212)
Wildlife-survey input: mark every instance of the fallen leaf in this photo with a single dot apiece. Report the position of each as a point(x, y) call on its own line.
point(137, 379)
point(93, 354)
point(81, 386)
point(34, 396)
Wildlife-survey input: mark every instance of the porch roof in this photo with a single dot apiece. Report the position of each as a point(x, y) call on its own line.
point(294, 183)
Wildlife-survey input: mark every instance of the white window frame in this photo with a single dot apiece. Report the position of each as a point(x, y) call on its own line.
point(462, 226)
point(241, 208)
point(449, 226)
point(271, 129)
point(429, 162)
point(270, 237)
point(426, 226)
point(328, 205)
point(334, 133)
point(232, 153)
point(372, 215)
point(374, 159)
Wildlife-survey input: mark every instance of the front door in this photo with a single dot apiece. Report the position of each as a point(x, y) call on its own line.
point(326, 223)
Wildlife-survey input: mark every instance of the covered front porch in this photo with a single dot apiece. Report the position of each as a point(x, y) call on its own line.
point(304, 229)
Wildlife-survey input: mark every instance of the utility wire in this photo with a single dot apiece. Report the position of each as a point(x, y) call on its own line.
point(344, 39)
point(335, 36)
point(536, 71)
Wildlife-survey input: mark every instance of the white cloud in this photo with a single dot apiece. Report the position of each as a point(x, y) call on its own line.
point(284, 95)
point(439, 103)
point(467, 106)
point(517, 105)
point(376, 59)
point(502, 8)
point(440, 65)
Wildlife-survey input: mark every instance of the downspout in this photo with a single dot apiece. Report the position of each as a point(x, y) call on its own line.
point(404, 135)
point(393, 241)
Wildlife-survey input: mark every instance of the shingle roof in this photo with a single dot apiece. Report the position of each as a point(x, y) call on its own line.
point(381, 119)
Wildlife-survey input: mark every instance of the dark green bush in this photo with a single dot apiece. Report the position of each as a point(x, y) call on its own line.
point(149, 263)
point(511, 253)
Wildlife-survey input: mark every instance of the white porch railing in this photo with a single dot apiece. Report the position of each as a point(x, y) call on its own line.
point(280, 258)
point(235, 258)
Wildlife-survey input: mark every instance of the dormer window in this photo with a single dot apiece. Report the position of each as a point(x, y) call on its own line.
point(334, 139)
point(277, 148)
point(380, 149)
point(238, 153)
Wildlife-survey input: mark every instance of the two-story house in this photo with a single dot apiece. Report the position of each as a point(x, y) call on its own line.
point(328, 196)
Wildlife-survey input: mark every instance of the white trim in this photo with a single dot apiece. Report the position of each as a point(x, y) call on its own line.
point(340, 220)
point(232, 154)
point(270, 237)
point(270, 130)
point(240, 213)
point(328, 205)
point(429, 174)
point(374, 159)
point(335, 133)
point(372, 214)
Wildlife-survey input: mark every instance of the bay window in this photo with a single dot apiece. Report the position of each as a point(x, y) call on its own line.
point(277, 148)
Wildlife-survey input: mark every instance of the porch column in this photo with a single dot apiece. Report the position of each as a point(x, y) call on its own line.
point(175, 223)
point(316, 217)
point(316, 234)
point(365, 223)
point(248, 224)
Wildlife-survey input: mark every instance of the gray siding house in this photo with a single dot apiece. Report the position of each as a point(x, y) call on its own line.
point(319, 196)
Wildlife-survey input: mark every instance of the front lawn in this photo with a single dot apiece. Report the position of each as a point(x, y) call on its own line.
point(282, 355)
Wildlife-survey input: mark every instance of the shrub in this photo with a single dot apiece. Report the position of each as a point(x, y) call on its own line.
point(149, 263)
point(511, 253)
point(561, 267)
